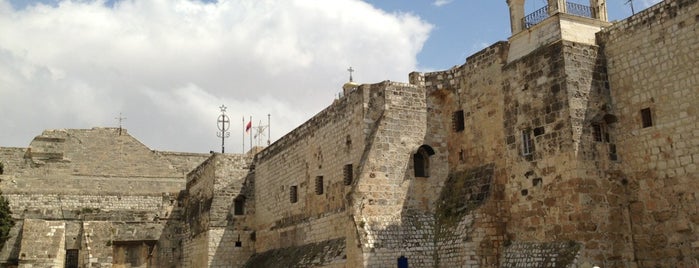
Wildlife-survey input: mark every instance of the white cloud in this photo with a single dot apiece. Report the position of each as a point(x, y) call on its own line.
point(440, 3)
point(168, 65)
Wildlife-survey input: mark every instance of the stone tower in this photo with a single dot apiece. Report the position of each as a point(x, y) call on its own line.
point(558, 20)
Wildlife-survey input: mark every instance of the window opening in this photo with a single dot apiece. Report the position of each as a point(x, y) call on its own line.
point(612, 152)
point(646, 117)
point(348, 174)
point(319, 185)
point(457, 121)
point(527, 144)
point(402, 262)
point(239, 206)
point(72, 256)
point(238, 243)
point(597, 132)
point(293, 194)
point(421, 161)
point(539, 131)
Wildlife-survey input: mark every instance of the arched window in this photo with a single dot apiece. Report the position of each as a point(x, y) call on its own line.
point(421, 161)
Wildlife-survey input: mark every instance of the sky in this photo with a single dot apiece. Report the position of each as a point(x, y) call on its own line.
point(168, 65)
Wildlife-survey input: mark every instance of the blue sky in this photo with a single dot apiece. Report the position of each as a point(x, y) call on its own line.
point(463, 27)
point(167, 65)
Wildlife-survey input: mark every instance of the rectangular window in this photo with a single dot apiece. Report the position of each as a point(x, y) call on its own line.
point(348, 174)
point(239, 206)
point(293, 194)
point(72, 258)
point(646, 117)
point(319, 185)
point(597, 132)
point(457, 121)
point(539, 131)
point(527, 144)
point(612, 152)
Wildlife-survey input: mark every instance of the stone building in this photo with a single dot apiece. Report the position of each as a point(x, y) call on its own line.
point(573, 144)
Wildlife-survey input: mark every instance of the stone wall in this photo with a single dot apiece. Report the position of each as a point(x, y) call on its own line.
point(313, 159)
point(43, 244)
point(469, 216)
point(388, 201)
point(12, 159)
point(653, 64)
point(105, 188)
point(215, 235)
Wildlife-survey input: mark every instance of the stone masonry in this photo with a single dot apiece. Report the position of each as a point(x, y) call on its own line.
point(573, 144)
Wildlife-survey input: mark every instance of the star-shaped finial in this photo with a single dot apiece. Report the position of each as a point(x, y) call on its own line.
point(223, 108)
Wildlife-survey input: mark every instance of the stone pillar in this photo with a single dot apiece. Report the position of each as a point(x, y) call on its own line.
point(516, 15)
point(599, 9)
point(556, 6)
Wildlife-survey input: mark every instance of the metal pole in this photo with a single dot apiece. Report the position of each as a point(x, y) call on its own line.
point(269, 131)
point(243, 135)
point(251, 133)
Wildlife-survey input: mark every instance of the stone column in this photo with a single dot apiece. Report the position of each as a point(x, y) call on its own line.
point(599, 9)
point(516, 15)
point(556, 6)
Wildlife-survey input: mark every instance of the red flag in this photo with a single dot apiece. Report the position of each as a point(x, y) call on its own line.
point(248, 127)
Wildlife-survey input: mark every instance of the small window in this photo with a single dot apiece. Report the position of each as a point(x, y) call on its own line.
point(238, 243)
point(457, 121)
point(646, 117)
point(539, 131)
point(527, 144)
point(239, 206)
point(612, 152)
point(348, 174)
point(293, 194)
point(72, 257)
point(319, 185)
point(597, 132)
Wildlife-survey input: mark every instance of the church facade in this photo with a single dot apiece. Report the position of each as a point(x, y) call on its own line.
point(573, 144)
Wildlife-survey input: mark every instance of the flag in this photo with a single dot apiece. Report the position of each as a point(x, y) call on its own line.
point(248, 127)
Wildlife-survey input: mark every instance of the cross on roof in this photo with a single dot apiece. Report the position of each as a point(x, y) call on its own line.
point(350, 70)
point(121, 120)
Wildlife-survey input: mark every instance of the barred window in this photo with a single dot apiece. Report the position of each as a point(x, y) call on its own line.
point(319, 185)
point(293, 194)
point(597, 132)
point(348, 174)
point(527, 143)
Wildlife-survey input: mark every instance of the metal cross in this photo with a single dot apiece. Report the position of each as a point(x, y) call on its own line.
point(121, 119)
point(223, 124)
point(350, 70)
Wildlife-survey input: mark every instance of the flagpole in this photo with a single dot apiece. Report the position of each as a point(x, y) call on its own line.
point(251, 133)
point(243, 135)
